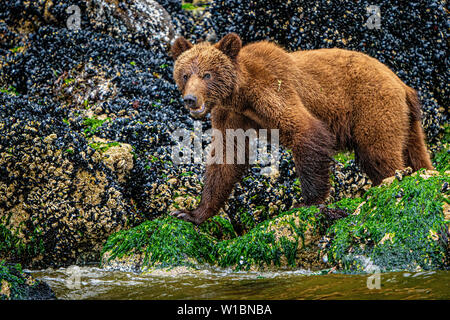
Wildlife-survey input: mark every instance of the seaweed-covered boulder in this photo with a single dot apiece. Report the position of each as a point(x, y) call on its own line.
point(399, 226)
point(403, 225)
point(18, 285)
point(289, 241)
point(161, 243)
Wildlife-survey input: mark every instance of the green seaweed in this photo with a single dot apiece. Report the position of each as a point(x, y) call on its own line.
point(15, 284)
point(102, 146)
point(344, 157)
point(441, 159)
point(219, 228)
point(190, 7)
point(11, 274)
point(91, 125)
point(399, 227)
point(14, 247)
point(10, 90)
point(347, 204)
point(268, 242)
point(166, 242)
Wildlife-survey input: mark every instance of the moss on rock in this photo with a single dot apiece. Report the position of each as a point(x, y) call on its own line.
point(17, 285)
point(399, 227)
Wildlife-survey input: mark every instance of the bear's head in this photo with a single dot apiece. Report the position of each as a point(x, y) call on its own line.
point(205, 73)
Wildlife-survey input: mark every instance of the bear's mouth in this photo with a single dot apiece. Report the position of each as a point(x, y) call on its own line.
point(198, 112)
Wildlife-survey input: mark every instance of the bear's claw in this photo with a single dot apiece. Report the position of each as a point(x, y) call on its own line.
point(185, 215)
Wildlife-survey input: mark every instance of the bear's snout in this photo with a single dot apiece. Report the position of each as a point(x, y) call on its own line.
point(190, 101)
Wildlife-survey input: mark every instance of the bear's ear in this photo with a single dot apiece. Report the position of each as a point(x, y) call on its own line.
point(231, 44)
point(180, 45)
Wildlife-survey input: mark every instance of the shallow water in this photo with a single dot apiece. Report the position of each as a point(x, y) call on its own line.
point(95, 283)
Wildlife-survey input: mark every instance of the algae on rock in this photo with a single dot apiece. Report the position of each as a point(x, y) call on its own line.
point(288, 241)
point(17, 285)
point(399, 227)
point(160, 243)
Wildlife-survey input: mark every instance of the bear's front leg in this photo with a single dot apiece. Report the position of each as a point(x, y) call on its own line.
point(220, 175)
point(219, 182)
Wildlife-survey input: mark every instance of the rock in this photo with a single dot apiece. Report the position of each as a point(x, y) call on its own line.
point(116, 156)
point(400, 226)
point(161, 243)
point(143, 21)
point(289, 241)
point(348, 180)
point(58, 202)
point(18, 285)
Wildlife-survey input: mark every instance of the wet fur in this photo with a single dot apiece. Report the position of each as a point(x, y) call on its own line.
point(321, 101)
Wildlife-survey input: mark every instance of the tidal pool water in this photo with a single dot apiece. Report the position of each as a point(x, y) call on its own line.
point(96, 283)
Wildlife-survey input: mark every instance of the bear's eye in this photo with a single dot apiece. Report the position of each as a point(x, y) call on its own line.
point(185, 77)
point(207, 75)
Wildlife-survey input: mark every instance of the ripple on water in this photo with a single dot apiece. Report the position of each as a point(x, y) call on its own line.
point(212, 283)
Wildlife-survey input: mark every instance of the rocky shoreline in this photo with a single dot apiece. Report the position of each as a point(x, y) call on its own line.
point(401, 225)
point(87, 109)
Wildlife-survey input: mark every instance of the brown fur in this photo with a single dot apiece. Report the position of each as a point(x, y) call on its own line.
point(320, 100)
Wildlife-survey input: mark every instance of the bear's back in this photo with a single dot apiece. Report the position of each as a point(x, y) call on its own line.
point(266, 60)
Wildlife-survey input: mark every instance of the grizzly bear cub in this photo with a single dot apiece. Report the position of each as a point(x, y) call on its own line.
point(320, 101)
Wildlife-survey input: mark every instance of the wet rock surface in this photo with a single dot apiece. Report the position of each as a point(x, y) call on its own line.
point(18, 285)
point(87, 113)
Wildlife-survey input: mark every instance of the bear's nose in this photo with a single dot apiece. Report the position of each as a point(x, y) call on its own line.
point(190, 101)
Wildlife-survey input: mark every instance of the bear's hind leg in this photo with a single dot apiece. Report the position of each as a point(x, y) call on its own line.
point(380, 159)
point(312, 152)
point(416, 154)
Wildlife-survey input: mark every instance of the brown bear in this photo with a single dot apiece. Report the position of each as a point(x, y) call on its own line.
point(321, 101)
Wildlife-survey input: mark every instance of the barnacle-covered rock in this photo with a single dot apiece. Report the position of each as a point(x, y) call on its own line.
point(116, 156)
point(58, 201)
